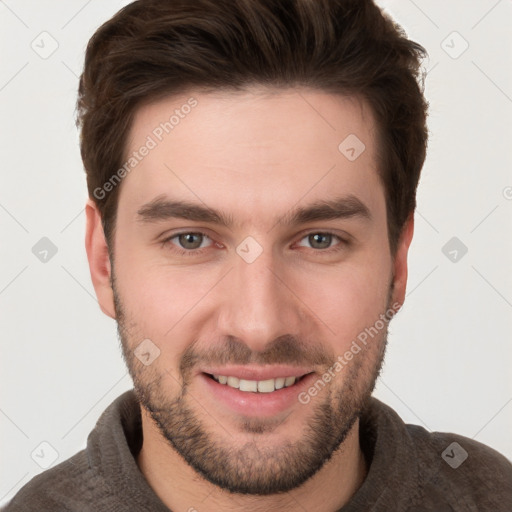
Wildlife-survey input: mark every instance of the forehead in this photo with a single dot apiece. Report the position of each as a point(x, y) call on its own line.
point(254, 149)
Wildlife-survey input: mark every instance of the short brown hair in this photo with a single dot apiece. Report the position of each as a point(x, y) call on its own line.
point(155, 48)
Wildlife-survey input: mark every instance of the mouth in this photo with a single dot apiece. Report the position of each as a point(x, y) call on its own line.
point(255, 397)
point(257, 386)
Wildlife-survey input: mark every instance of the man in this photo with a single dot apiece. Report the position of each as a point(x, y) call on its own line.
point(252, 169)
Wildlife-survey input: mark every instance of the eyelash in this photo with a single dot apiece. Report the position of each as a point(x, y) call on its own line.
point(198, 252)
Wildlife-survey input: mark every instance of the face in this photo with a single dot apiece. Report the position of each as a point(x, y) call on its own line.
point(250, 247)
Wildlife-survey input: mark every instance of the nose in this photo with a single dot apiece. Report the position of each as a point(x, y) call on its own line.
point(258, 305)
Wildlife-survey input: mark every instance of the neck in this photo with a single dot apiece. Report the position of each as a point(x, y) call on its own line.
point(180, 487)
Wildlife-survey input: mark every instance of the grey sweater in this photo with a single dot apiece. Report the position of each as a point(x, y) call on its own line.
point(410, 470)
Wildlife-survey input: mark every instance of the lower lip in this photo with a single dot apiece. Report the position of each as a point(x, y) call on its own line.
point(255, 405)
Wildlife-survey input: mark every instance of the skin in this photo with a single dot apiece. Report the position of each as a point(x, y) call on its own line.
point(256, 155)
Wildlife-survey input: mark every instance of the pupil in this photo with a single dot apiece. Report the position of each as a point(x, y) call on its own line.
point(317, 238)
point(187, 241)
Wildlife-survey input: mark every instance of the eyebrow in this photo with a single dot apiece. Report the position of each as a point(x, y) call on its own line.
point(162, 208)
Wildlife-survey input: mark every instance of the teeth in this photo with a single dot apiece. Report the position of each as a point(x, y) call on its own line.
point(289, 381)
point(260, 386)
point(234, 382)
point(266, 386)
point(280, 382)
point(248, 385)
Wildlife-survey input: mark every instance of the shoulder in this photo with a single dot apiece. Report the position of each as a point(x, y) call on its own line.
point(471, 472)
point(425, 470)
point(65, 487)
point(90, 480)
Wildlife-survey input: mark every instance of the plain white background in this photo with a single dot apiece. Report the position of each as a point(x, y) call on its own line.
point(449, 357)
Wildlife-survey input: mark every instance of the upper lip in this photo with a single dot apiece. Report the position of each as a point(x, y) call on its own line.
point(258, 373)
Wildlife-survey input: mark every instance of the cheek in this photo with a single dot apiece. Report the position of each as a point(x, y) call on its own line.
point(159, 300)
point(349, 300)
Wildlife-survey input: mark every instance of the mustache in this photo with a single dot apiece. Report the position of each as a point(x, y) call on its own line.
point(286, 349)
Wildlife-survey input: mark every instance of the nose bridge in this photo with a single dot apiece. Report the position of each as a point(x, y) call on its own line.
point(257, 307)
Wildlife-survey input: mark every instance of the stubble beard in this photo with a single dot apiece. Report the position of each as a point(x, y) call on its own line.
point(251, 468)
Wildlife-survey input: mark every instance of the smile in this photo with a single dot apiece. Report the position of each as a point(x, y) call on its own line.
point(256, 386)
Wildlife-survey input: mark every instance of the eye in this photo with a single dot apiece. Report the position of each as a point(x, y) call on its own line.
point(189, 242)
point(321, 240)
point(192, 243)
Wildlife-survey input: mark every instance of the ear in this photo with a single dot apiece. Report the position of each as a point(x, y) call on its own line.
point(400, 262)
point(99, 261)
